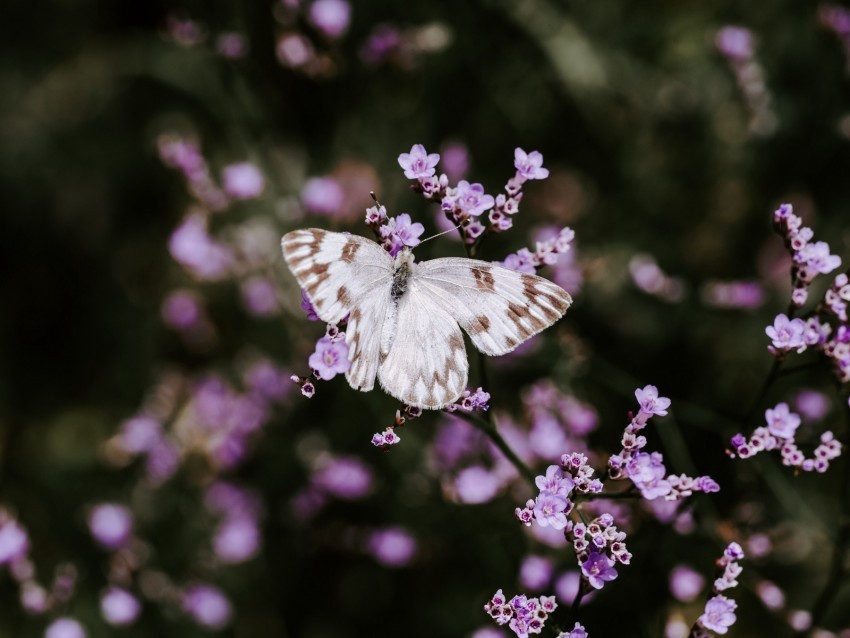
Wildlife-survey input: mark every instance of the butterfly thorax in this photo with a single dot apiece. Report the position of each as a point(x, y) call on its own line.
point(402, 269)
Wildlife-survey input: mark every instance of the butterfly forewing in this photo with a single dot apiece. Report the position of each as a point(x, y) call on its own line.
point(499, 308)
point(337, 271)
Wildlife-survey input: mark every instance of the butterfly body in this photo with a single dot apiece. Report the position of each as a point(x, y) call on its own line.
point(404, 318)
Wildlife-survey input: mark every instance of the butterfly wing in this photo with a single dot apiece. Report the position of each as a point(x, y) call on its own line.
point(424, 360)
point(499, 308)
point(345, 275)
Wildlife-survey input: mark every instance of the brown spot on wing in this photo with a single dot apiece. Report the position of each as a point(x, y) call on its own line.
point(484, 279)
point(480, 324)
point(349, 250)
point(343, 297)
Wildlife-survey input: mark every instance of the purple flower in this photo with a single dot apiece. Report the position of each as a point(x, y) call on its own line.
point(231, 45)
point(418, 163)
point(331, 17)
point(549, 510)
point(330, 358)
point(455, 161)
point(529, 165)
point(14, 542)
point(344, 477)
point(555, 482)
point(472, 199)
point(322, 195)
point(535, 572)
point(787, 334)
point(111, 525)
point(307, 306)
point(207, 605)
point(242, 181)
point(476, 484)
point(65, 628)
point(119, 607)
point(576, 632)
point(259, 296)
point(781, 422)
point(816, 256)
point(650, 402)
point(647, 472)
point(392, 547)
point(685, 583)
point(192, 247)
point(598, 569)
point(399, 232)
point(237, 539)
point(719, 614)
point(735, 42)
point(182, 310)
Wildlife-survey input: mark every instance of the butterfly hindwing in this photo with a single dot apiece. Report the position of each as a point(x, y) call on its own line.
point(426, 364)
point(499, 308)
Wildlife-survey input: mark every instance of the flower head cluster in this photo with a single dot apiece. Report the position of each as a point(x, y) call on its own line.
point(237, 536)
point(552, 505)
point(465, 203)
point(523, 615)
point(185, 156)
point(576, 632)
point(779, 433)
point(400, 232)
point(331, 355)
point(647, 470)
point(810, 258)
point(545, 253)
point(470, 401)
point(599, 547)
point(719, 613)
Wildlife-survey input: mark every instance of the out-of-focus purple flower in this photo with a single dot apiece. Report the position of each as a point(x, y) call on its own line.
point(162, 460)
point(392, 547)
point(182, 310)
point(719, 614)
point(192, 247)
point(14, 542)
point(323, 196)
point(576, 632)
point(733, 294)
point(260, 296)
point(477, 484)
point(488, 632)
point(264, 378)
point(242, 180)
point(65, 628)
point(331, 17)
point(735, 42)
point(418, 163)
point(781, 422)
point(598, 569)
point(455, 158)
point(472, 199)
point(567, 586)
point(294, 50)
point(231, 45)
point(344, 477)
point(648, 276)
point(650, 402)
point(647, 471)
point(111, 525)
point(119, 607)
point(207, 605)
point(771, 595)
point(236, 540)
point(535, 572)
point(330, 358)
point(529, 165)
point(812, 404)
point(787, 334)
point(685, 583)
point(400, 231)
point(34, 598)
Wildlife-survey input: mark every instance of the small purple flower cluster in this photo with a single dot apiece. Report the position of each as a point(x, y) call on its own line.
point(465, 203)
point(599, 546)
point(837, 19)
point(545, 253)
point(403, 48)
point(470, 401)
point(779, 434)
point(810, 259)
point(647, 470)
point(719, 613)
point(345, 478)
point(331, 355)
point(648, 277)
point(578, 631)
point(732, 294)
point(552, 505)
point(523, 615)
point(737, 45)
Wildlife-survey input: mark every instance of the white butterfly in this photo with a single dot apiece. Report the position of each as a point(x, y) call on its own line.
point(404, 316)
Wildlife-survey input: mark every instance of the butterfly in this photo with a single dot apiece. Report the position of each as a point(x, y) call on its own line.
point(404, 318)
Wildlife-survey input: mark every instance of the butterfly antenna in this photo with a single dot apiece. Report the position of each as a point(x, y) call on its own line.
point(445, 232)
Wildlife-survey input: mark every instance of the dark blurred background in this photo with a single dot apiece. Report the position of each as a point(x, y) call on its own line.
point(669, 147)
